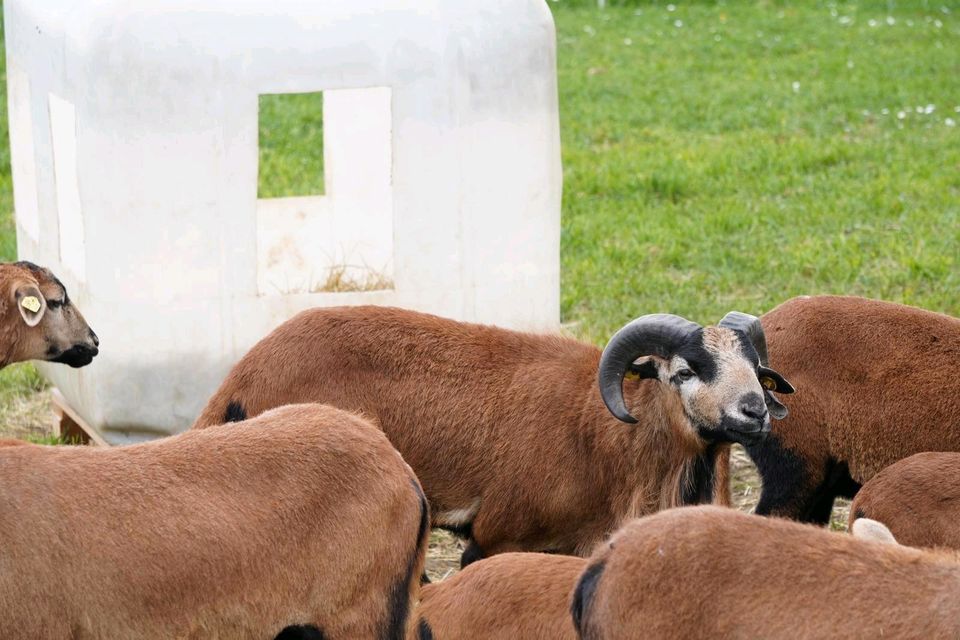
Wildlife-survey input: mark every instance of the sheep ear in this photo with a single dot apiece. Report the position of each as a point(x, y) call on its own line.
point(867, 529)
point(30, 303)
point(773, 381)
point(774, 406)
point(642, 368)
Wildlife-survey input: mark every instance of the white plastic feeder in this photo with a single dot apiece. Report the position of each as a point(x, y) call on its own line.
point(134, 134)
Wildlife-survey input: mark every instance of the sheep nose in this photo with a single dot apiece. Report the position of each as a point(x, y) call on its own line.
point(754, 407)
point(94, 339)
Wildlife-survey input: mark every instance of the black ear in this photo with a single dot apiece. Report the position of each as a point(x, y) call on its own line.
point(645, 369)
point(773, 381)
point(774, 406)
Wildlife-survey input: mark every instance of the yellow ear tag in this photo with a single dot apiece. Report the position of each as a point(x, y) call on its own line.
point(30, 303)
point(768, 383)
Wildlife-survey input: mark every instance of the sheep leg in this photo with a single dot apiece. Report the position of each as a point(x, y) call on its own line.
point(836, 483)
point(487, 535)
point(790, 480)
point(471, 554)
point(496, 532)
point(799, 487)
point(300, 632)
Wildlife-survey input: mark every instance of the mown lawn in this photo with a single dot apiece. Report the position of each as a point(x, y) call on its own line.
point(727, 155)
point(733, 155)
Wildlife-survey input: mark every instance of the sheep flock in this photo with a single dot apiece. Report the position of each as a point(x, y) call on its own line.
point(590, 487)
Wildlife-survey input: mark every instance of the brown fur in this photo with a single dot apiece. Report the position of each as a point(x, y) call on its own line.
point(918, 498)
point(875, 384)
point(222, 533)
point(61, 330)
point(703, 572)
point(507, 422)
point(507, 597)
point(721, 465)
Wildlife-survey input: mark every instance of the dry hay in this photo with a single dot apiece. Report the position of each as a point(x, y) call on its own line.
point(28, 417)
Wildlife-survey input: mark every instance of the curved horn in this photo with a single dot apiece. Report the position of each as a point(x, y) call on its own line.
point(750, 325)
point(657, 334)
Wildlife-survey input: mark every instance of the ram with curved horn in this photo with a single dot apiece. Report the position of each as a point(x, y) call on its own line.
point(507, 431)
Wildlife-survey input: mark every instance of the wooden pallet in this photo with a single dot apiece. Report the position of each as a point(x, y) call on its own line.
point(71, 427)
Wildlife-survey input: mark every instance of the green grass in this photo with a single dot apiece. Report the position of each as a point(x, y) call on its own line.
point(291, 145)
point(20, 379)
point(700, 178)
point(8, 234)
point(722, 156)
point(16, 381)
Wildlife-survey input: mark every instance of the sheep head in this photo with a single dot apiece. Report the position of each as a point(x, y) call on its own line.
point(719, 372)
point(52, 328)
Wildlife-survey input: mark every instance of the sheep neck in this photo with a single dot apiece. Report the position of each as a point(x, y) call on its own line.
point(650, 460)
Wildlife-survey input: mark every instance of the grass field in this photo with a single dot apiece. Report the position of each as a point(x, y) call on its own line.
point(728, 155)
point(720, 156)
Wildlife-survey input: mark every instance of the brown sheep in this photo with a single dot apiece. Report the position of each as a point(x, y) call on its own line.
point(301, 523)
point(917, 498)
point(704, 572)
point(39, 322)
point(508, 597)
point(508, 431)
point(876, 388)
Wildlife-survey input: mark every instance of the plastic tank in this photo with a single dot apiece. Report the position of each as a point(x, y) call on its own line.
point(134, 136)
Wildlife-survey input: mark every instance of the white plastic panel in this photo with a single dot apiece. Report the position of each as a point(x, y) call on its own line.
point(63, 132)
point(343, 240)
point(442, 176)
point(24, 161)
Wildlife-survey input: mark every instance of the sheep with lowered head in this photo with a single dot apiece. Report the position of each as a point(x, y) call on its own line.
point(704, 572)
point(509, 596)
point(302, 523)
point(877, 387)
point(510, 432)
point(917, 498)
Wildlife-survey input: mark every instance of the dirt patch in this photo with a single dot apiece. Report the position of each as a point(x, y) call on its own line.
point(28, 417)
point(443, 555)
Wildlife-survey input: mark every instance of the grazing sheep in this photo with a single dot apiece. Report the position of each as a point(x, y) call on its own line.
point(39, 320)
point(917, 498)
point(508, 431)
point(704, 572)
point(509, 596)
point(301, 523)
point(876, 387)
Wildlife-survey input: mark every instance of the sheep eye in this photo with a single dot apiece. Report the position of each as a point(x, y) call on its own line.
point(685, 374)
point(54, 304)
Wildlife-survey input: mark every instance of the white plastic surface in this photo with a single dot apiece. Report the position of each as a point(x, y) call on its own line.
point(134, 152)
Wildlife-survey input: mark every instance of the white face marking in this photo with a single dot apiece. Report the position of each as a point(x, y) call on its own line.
point(724, 394)
point(675, 367)
point(457, 517)
point(736, 376)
